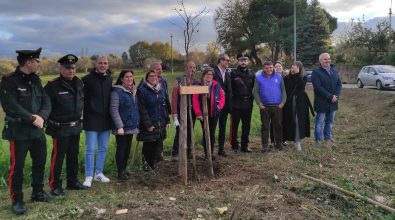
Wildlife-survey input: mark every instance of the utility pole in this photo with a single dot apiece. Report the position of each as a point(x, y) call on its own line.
point(390, 14)
point(295, 30)
point(390, 30)
point(171, 51)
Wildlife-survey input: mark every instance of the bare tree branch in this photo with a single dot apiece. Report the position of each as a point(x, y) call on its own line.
point(190, 24)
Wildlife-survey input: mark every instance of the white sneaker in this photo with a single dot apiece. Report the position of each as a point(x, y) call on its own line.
point(101, 178)
point(88, 181)
point(298, 146)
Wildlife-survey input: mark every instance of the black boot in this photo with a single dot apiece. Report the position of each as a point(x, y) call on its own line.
point(265, 148)
point(18, 208)
point(235, 148)
point(246, 149)
point(279, 146)
point(122, 176)
point(58, 191)
point(76, 186)
point(222, 153)
point(41, 196)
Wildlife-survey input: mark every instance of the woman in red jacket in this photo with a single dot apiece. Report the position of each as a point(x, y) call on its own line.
point(215, 102)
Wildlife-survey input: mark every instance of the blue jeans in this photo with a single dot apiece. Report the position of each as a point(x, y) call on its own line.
point(328, 117)
point(93, 138)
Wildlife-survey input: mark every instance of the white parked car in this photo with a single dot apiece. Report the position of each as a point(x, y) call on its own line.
point(381, 76)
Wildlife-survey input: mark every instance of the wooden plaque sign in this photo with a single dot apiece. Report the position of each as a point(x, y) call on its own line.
point(188, 90)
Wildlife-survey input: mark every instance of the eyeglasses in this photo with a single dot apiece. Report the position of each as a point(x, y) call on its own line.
point(102, 63)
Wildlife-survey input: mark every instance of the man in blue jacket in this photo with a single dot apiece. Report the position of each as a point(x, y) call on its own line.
point(327, 88)
point(270, 96)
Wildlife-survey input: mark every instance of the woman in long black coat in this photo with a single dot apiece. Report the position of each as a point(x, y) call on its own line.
point(296, 121)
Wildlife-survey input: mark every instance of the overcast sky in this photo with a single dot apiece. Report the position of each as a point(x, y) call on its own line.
point(111, 26)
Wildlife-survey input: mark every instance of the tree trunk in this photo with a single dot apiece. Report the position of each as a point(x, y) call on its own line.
point(254, 55)
point(276, 52)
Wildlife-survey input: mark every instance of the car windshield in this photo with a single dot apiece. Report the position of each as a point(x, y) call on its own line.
point(385, 69)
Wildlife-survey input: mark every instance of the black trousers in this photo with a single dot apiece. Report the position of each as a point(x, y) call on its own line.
point(212, 124)
point(64, 147)
point(271, 114)
point(222, 127)
point(152, 152)
point(124, 143)
point(176, 142)
point(245, 116)
point(271, 133)
point(18, 151)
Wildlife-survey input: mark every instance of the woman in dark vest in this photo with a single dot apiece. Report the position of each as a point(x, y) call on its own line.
point(125, 117)
point(154, 119)
point(296, 121)
point(215, 102)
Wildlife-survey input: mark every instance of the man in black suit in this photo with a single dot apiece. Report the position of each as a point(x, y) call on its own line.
point(222, 76)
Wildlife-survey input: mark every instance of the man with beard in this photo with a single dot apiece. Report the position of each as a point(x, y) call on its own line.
point(242, 98)
point(97, 120)
point(175, 109)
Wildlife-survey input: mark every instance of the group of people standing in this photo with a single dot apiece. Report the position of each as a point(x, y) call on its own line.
point(67, 105)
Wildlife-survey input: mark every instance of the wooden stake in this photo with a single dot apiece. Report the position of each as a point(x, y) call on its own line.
point(207, 135)
point(191, 127)
point(182, 148)
point(387, 208)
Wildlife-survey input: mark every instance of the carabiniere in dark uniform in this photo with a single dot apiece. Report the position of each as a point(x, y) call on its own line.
point(26, 107)
point(64, 124)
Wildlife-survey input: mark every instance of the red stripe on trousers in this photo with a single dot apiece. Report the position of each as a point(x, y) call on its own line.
point(12, 168)
point(53, 162)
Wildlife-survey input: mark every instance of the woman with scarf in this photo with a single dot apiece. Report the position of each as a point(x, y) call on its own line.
point(215, 102)
point(296, 121)
point(125, 118)
point(154, 119)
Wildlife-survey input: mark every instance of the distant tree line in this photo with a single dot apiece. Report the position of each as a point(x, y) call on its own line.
point(265, 29)
point(362, 46)
point(49, 65)
point(142, 54)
